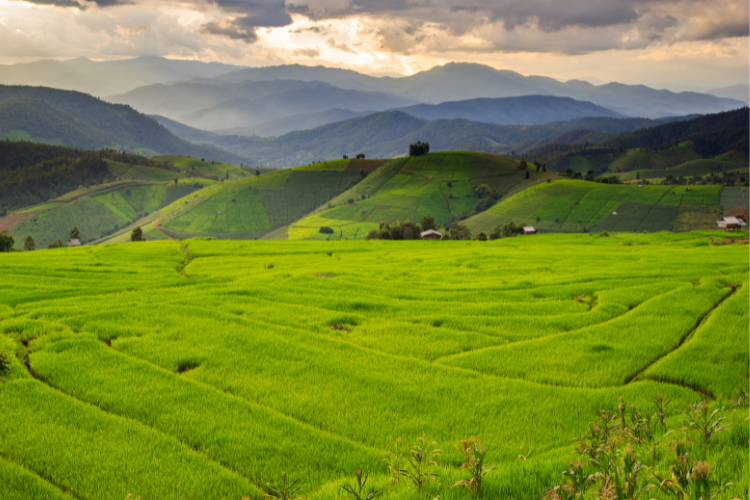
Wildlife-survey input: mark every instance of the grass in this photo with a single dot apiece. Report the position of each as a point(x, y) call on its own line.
point(313, 358)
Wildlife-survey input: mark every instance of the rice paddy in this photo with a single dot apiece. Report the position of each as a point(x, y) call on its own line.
point(205, 369)
point(579, 206)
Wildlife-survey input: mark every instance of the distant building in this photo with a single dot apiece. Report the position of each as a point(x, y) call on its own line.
point(75, 242)
point(431, 234)
point(730, 224)
point(528, 230)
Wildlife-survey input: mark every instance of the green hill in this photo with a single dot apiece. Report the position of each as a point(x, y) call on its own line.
point(435, 185)
point(723, 136)
point(252, 207)
point(579, 206)
point(79, 120)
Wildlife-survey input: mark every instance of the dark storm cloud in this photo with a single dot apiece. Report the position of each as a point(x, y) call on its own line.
point(553, 15)
point(253, 14)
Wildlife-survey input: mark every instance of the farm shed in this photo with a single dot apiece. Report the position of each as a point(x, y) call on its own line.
point(431, 234)
point(75, 242)
point(731, 224)
point(528, 230)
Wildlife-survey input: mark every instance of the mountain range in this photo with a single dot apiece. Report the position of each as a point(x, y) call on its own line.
point(389, 133)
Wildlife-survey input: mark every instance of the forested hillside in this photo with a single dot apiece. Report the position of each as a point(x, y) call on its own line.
point(79, 120)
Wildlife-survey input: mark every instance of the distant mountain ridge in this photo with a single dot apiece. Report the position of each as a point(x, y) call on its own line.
point(462, 81)
point(524, 110)
point(388, 134)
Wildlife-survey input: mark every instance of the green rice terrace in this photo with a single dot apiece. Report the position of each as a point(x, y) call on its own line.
point(218, 370)
point(181, 198)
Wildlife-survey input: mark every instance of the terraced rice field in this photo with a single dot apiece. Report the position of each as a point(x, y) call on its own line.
point(252, 207)
point(578, 206)
point(205, 370)
point(409, 189)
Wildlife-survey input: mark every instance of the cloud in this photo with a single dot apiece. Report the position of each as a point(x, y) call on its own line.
point(308, 53)
point(331, 42)
point(253, 14)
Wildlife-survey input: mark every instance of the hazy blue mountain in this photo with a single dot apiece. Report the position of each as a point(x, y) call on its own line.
point(388, 134)
point(462, 81)
point(314, 98)
point(525, 110)
point(296, 122)
point(78, 120)
point(182, 98)
point(108, 77)
point(183, 131)
point(741, 92)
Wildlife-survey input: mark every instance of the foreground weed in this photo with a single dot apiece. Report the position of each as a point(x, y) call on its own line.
point(474, 454)
point(357, 494)
point(422, 456)
point(705, 423)
point(286, 491)
point(394, 462)
point(689, 481)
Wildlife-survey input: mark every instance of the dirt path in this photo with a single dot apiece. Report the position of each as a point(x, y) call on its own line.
point(156, 225)
point(73, 201)
point(10, 221)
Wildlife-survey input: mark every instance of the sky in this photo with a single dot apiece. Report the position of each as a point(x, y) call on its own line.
point(676, 44)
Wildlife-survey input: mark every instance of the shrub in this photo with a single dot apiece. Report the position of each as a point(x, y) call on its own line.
point(496, 233)
point(326, 230)
point(459, 232)
point(286, 491)
point(480, 237)
point(56, 244)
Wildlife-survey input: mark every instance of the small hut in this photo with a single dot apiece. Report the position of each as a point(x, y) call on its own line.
point(431, 234)
point(528, 230)
point(74, 242)
point(731, 224)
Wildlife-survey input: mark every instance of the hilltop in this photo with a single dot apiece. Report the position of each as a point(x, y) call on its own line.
point(438, 185)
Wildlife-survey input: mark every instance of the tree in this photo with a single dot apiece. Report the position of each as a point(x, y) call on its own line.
point(527, 174)
point(428, 223)
point(459, 232)
point(410, 231)
point(346, 157)
point(75, 234)
point(56, 244)
point(484, 191)
point(544, 167)
point(257, 172)
point(638, 175)
point(29, 245)
point(6, 241)
point(227, 177)
point(419, 149)
point(496, 233)
point(175, 181)
point(137, 235)
point(480, 237)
